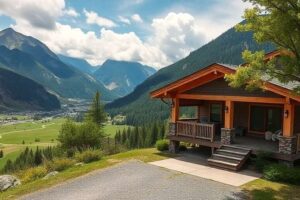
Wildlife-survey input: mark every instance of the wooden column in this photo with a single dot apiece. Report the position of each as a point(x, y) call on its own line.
point(288, 120)
point(175, 110)
point(198, 113)
point(229, 112)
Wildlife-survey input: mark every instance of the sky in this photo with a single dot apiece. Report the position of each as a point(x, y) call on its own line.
point(153, 32)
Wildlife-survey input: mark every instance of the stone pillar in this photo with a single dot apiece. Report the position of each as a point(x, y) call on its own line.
point(172, 128)
point(227, 135)
point(287, 145)
point(174, 146)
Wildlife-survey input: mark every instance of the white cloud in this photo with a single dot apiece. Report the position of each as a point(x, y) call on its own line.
point(71, 12)
point(176, 35)
point(137, 18)
point(93, 18)
point(41, 14)
point(124, 20)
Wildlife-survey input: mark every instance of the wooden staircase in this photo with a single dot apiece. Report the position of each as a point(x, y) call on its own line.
point(229, 157)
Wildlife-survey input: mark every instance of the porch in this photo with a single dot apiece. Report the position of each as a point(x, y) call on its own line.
point(207, 134)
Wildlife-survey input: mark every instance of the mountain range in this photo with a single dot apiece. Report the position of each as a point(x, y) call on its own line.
point(227, 48)
point(122, 77)
point(31, 58)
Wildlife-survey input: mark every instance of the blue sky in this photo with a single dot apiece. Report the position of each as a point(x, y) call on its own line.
point(153, 32)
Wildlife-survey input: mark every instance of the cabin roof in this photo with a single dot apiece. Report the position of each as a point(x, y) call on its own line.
point(218, 70)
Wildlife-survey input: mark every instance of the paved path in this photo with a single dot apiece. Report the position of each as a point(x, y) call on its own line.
point(197, 166)
point(135, 180)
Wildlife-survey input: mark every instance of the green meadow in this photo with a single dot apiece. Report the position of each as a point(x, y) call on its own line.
point(16, 137)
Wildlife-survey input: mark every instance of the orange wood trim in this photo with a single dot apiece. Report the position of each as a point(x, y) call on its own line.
point(175, 110)
point(203, 72)
point(281, 91)
point(288, 122)
point(228, 123)
point(233, 98)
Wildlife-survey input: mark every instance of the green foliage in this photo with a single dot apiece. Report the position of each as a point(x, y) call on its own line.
point(28, 159)
point(278, 22)
point(261, 161)
point(96, 112)
point(33, 173)
point(282, 173)
point(59, 164)
point(140, 137)
point(1, 153)
point(162, 145)
point(89, 155)
point(80, 136)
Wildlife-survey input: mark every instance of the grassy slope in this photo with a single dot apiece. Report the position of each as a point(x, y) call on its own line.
point(264, 190)
point(145, 155)
point(12, 136)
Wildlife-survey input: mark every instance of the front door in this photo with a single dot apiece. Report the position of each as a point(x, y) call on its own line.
point(265, 118)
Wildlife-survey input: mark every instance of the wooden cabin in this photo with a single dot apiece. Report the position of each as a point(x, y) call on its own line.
point(232, 121)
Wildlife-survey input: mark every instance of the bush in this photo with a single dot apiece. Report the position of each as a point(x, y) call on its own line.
point(34, 173)
point(162, 145)
point(80, 136)
point(261, 161)
point(1, 154)
point(89, 156)
point(282, 173)
point(37, 140)
point(59, 164)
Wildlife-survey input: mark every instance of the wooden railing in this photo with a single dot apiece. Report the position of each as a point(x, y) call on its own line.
point(195, 130)
point(298, 143)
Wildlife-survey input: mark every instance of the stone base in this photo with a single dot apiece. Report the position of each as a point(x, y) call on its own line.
point(227, 136)
point(172, 128)
point(287, 145)
point(173, 146)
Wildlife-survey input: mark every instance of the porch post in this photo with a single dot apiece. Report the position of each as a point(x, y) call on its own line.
point(174, 145)
point(287, 142)
point(228, 133)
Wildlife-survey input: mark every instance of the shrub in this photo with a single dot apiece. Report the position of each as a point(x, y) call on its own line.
point(70, 152)
point(162, 145)
point(261, 160)
point(37, 139)
point(89, 156)
point(82, 136)
point(34, 173)
point(59, 164)
point(1, 154)
point(282, 173)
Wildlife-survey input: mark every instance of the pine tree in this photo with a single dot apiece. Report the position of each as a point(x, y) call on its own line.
point(154, 131)
point(38, 157)
point(96, 112)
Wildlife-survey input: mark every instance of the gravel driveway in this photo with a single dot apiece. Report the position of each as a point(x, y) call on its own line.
point(136, 180)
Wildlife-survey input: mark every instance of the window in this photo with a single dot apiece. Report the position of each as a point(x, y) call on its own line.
point(264, 119)
point(216, 112)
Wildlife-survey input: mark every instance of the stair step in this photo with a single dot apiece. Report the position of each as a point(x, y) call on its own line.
point(228, 157)
point(229, 154)
point(233, 152)
point(222, 164)
point(236, 147)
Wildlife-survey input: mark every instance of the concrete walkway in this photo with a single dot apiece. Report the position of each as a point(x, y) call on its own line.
point(197, 166)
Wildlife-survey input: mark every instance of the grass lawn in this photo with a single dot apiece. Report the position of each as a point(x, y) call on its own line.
point(264, 190)
point(145, 155)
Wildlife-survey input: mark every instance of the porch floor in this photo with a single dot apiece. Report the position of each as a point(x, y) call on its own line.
point(256, 144)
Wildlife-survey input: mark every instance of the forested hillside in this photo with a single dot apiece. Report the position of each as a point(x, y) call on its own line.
point(20, 93)
point(227, 48)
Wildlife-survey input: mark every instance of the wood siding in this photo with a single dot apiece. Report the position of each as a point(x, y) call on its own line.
point(220, 87)
point(297, 120)
point(241, 115)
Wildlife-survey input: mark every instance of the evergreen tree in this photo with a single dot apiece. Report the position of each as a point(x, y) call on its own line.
point(96, 112)
point(154, 131)
point(38, 157)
